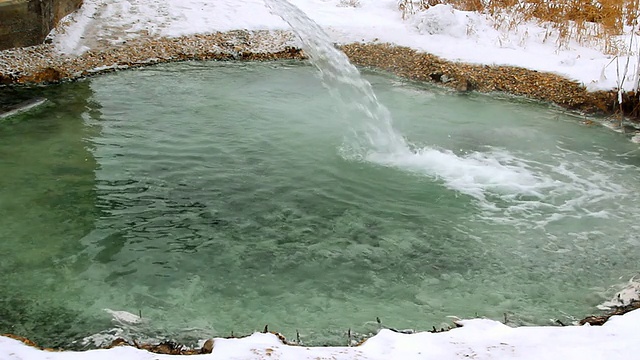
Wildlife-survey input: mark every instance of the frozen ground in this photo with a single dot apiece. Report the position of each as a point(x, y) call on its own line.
point(441, 30)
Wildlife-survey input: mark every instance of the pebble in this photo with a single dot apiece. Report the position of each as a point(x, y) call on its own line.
point(43, 64)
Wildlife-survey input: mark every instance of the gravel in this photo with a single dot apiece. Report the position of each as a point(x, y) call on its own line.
point(43, 64)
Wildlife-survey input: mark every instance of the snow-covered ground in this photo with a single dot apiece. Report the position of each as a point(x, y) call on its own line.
point(478, 339)
point(441, 30)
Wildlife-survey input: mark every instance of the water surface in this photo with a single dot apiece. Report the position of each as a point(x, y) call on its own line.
point(220, 197)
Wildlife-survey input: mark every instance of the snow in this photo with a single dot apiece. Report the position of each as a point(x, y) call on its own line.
point(476, 339)
point(441, 30)
point(628, 294)
point(68, 38)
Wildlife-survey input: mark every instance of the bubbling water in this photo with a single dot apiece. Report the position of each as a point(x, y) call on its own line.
point(498, 180)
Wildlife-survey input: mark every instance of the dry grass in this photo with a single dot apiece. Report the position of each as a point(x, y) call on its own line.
point(585, 21)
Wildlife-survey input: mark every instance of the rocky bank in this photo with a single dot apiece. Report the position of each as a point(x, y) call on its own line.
point(44, 64)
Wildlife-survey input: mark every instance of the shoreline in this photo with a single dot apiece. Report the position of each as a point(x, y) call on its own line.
point(42, 64)
point(169, 347)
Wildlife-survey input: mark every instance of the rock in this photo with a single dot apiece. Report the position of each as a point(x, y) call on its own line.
point(445, 79)
point(119, 342)
point(44, 76)
point(437, 77)
point(464, 85)
point(207, 348)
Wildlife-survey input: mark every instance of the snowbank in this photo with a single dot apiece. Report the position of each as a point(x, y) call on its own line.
point(441, 30)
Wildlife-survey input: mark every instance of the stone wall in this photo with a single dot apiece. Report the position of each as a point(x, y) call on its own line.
point(27, 22)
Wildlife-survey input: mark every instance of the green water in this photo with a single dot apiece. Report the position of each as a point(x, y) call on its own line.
point(214, 198)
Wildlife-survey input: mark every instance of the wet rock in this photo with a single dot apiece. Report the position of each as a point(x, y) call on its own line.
point(437, 77)
point(168, 348)
point(594, 320)
point(618, 310)
point(43, 76)
point(6, 79)
point(464, 85)
point(119, 342)
point(207, 348)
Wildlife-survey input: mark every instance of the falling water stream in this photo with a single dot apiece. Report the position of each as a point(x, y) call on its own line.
point(374, 130)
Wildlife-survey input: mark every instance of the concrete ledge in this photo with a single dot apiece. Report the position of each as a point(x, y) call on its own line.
point(27, 22)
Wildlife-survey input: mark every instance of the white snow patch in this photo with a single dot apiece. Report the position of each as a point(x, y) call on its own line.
point(67, 38)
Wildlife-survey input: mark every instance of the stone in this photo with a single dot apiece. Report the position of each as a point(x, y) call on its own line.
point(207, 348)
point(119, 342)
point(464, 85)
point(46, 75)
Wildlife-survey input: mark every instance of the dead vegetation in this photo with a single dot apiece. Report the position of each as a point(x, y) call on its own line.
point(588, 22)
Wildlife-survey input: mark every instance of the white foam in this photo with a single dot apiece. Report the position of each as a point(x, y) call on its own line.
point(511, 189)
point(475, 174)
